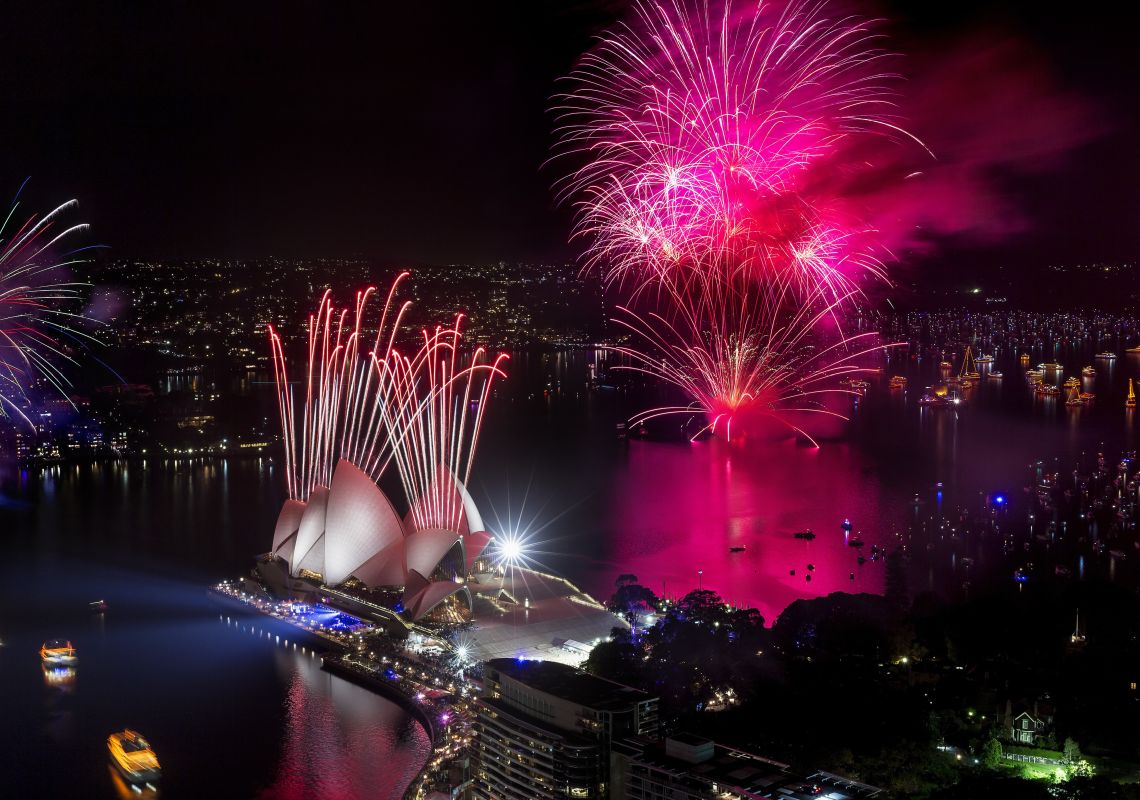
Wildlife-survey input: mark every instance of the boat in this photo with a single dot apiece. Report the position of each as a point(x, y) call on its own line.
point(806, 535)
point(1024, 358)
point(969, 371)
point(1106, 356)
point(856, 384)
point(1088, 372)
point(855, 542)
point(897, 382)
point(1047, 390)
point(132, 756)
point(1071, 383)
point(58, 651)
point(930, 399)
point(995, 375)
point(1133, 349)
point(946, 367)
point(1087, 397)
point(1074, 398)
point(984, 359)
point(737, 549)
point(98, 605)
point(1130, 401)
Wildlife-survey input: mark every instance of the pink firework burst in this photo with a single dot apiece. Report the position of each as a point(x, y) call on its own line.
point(701, 132)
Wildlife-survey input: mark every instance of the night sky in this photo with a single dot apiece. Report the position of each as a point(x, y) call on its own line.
point(419, 134)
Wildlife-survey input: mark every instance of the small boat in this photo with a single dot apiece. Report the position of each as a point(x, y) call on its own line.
point(855, 542)
point(132, 755)
point(1106, 356)
point(1024, 358)
point(1088, 372)
point(995, 375)
point(984, 359)
point(98, 605)
point(806, 535)
point(897, 382)
point(1047, 390)
point(58, 651)
point(737, 549)
point(1130, 401)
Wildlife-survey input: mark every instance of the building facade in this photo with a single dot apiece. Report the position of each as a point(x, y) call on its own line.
point(545, 730)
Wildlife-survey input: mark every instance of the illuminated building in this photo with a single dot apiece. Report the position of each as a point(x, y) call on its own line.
point(351, 531)
point(545, 729)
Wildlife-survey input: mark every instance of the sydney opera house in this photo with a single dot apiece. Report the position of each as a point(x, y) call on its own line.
point(350, 533)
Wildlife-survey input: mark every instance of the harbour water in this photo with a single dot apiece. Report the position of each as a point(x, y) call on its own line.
point(234, 712)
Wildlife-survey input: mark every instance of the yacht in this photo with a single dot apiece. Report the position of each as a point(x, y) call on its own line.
point(132, 756)
point(58, 651)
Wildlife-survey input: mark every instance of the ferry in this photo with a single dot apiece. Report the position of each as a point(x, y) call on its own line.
point(58, 651)
point(132, 756)
point(897, 382)
point(1088, 372)
point(1106, 356)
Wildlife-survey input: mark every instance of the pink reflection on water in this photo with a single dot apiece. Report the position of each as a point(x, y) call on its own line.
point(677, 509)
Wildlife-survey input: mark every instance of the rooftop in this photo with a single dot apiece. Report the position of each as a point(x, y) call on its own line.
point(569, 683)
point(748, 774)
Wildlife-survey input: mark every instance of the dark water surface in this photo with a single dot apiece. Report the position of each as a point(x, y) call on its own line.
point(235, 706)
point(233, 712)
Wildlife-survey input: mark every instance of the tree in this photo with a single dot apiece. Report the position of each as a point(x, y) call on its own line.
point(991, 754)
point(625, 579)
point(1071, 750)
point(631, 600)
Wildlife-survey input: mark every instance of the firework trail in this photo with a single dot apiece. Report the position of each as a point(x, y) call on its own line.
point(746, 362)
point(700, 128)
point(376, 406)
point(345, 394)
point(41, 311)
point(435, 423)
point(701, 133)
